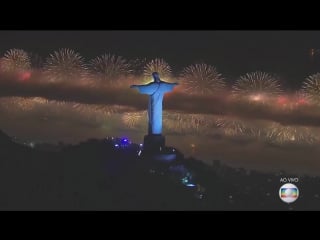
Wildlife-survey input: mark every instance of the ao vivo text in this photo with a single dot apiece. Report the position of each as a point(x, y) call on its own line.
point(289, 180)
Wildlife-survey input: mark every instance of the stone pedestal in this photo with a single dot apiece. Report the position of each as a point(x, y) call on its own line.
point(154, 149)
point(153, 143)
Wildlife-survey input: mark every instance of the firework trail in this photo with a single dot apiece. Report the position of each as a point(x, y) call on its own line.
point(256, 87)
point(65, 65)
point(201, 79)
point(15, 60)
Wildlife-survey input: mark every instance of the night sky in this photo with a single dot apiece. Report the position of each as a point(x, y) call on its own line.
point(233, 53)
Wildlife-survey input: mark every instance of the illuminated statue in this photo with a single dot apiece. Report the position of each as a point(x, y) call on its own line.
point(155, 90)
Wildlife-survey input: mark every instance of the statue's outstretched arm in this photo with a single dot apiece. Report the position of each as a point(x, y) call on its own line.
point(144, 89)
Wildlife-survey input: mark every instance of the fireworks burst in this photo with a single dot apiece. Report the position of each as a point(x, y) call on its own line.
point(201, 79)
point(311, 88)
point(65, 65)
point(22, 103)
point(197, 121)
point(257, 133)
point(16, 103)
point(256, 86)
point(173, 122)
point(157, 65)
point(59, 103)
point(186, 123)
point(15, 60)
point(232, 127)
point(110, 68)
point(288, 134)
point(97, 109)
point(39, 100)
point(131, 119)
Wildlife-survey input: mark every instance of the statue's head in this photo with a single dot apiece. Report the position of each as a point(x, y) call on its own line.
point(156, 77)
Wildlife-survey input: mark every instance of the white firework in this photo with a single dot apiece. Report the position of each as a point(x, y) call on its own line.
point(132, 119)
point(280, 134)
point(157, 65)
point(256, 86)
point(22, 103)
point(65, 65)
point(97, 109)
point(201, 79)
point(232, 127)
point(311, 88)
point(110, 68)
point(15, 60)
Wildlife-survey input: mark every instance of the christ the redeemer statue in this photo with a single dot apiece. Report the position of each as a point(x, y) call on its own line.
point(156, 91)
